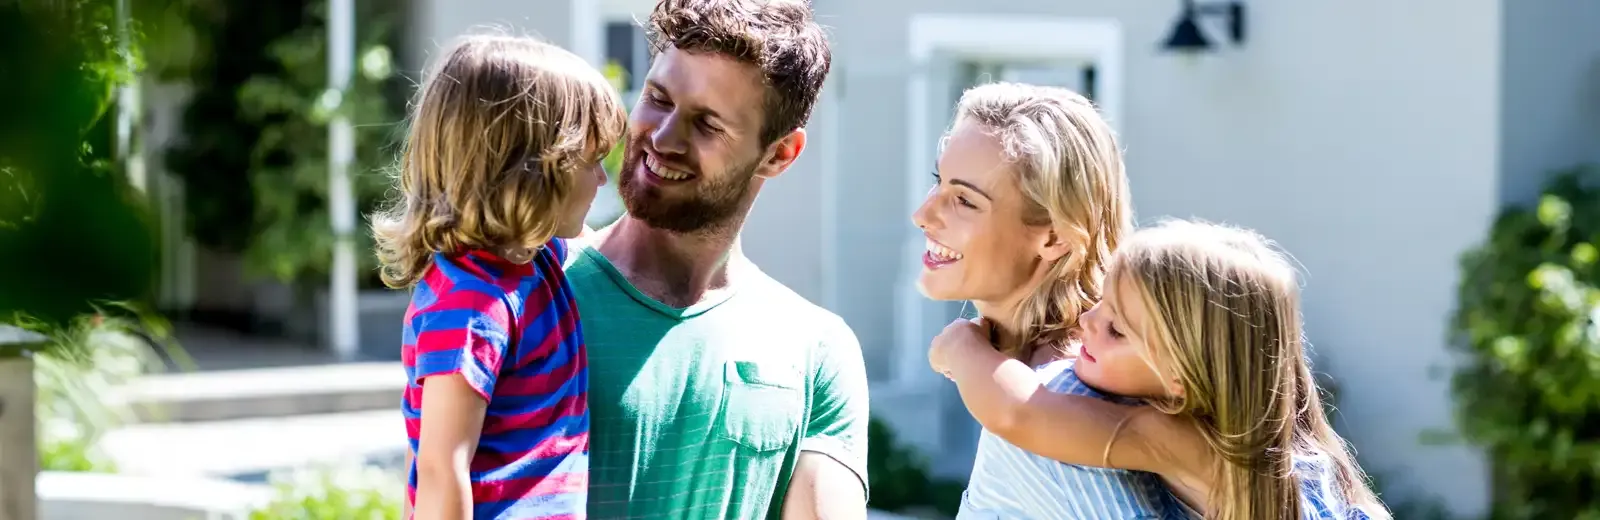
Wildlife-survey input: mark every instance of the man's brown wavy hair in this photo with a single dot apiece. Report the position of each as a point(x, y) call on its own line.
point(779, 36)
point(498, 134)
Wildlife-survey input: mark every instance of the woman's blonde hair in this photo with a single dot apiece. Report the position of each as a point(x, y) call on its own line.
point(498, 134)
point(1069, 167)
point(1222, 309)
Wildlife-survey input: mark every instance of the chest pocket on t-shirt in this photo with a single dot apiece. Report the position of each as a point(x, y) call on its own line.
point(762, 405)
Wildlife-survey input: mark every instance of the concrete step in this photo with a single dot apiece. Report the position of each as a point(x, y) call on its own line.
point(249, 450)
point(222, 395)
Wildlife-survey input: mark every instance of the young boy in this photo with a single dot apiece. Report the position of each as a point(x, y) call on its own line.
point(501, 163)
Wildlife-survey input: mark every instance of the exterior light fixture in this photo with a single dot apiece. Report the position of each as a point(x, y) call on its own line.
point(1186, 36)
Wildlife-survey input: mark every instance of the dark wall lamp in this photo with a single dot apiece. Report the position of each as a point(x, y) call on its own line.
point(1186, 35)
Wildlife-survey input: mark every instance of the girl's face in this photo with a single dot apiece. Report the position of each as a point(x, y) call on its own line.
point(1113, 357)
point(978, 247)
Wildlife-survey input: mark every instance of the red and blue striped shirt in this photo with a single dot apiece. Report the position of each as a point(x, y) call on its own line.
point(511, 330)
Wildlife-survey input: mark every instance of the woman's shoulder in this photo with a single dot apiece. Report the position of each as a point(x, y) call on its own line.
point(1060, 377)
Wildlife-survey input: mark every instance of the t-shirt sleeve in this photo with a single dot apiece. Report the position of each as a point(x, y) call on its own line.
point(561, 247)
point(839, 412)
point(465, 332)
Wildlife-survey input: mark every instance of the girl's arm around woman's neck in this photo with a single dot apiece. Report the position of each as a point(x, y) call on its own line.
point(1006, 396)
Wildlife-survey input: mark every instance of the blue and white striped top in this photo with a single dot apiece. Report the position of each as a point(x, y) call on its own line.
point(1011, 483)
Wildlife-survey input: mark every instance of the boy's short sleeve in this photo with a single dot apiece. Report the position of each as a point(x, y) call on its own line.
point(465, 331)
point(561, 248)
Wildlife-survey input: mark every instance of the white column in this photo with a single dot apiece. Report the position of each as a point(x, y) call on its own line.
point(343, 316)
point(586, 38)
point(128, 107)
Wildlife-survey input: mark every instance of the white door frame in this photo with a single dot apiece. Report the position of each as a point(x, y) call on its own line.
point(1005, 37)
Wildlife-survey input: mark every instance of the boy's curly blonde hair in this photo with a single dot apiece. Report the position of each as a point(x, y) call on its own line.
point(497, 136)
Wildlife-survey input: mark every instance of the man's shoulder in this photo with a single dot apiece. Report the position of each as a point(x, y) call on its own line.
point(783, 309)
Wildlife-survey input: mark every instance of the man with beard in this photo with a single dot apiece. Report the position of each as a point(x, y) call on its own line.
point(715, 391)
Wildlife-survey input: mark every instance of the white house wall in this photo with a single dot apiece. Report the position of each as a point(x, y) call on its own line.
point(574, 24)
point(1550, 94)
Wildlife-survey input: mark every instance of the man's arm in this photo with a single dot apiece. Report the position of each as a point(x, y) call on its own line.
point(819, 476)
point(830, 478)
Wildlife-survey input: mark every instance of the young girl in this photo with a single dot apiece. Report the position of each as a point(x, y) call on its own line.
point(502, 161)
point(1202, 322)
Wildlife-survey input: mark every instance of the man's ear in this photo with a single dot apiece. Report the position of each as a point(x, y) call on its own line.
point(1054, 245)
point(782, 153)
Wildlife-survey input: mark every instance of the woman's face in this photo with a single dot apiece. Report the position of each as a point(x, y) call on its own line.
point(1112, 356)
point(978, 247)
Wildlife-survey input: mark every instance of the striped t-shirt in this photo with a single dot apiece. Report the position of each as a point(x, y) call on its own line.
point(1009, 482)
point(512, 331)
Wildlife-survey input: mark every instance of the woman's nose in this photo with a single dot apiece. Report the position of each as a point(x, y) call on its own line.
point(923, 217)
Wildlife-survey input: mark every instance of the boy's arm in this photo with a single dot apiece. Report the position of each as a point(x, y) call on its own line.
point(405, 505)
point(452, 419)
point(830, 478)
point(461, 341)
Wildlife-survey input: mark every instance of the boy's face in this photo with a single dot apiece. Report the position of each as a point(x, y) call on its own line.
point(583, 191)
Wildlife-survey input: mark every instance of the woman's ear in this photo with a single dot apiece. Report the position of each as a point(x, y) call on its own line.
point(1054, 245)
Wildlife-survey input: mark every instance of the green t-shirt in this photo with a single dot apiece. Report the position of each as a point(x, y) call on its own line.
point(701, 413)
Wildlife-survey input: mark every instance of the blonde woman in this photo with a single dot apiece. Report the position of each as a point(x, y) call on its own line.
point(1201, 322)
point(1029, 202)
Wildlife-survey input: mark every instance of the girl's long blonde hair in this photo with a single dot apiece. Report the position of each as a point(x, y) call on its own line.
point(498, 135)
point(1070, 169)
point(1223, 321)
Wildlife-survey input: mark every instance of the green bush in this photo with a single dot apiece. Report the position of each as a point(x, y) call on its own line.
point(1528, 322)
point(347, 493)
point(72, 229)
point(77, 377)
point(255, 164)
point(899, 479)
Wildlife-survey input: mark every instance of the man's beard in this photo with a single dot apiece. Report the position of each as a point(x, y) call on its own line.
point(713, 203)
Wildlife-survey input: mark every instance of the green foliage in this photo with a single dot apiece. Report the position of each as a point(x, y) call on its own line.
point(86, 235)
point(619, 79)
point(898, 476)
point(289, 161)
point(215, 155)
point(365, 493)
point(1528, 323)
point(77, 379)
point(256, 166)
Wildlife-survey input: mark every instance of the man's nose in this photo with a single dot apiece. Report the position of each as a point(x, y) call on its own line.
point(668, 138)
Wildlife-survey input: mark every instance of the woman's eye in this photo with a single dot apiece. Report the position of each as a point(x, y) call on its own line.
point(1114, 332)
point(964, 202)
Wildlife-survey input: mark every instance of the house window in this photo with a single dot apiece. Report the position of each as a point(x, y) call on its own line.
point(627, 47)
point(1078, 76)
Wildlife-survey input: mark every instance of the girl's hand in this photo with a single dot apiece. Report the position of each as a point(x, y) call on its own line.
point(958, 335)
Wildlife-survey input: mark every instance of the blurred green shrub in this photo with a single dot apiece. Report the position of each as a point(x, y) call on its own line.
point(256, 165)
point(1528, 322)
point(899, 477)
point(72, 231)
point(335, 493)
point(78, 376)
